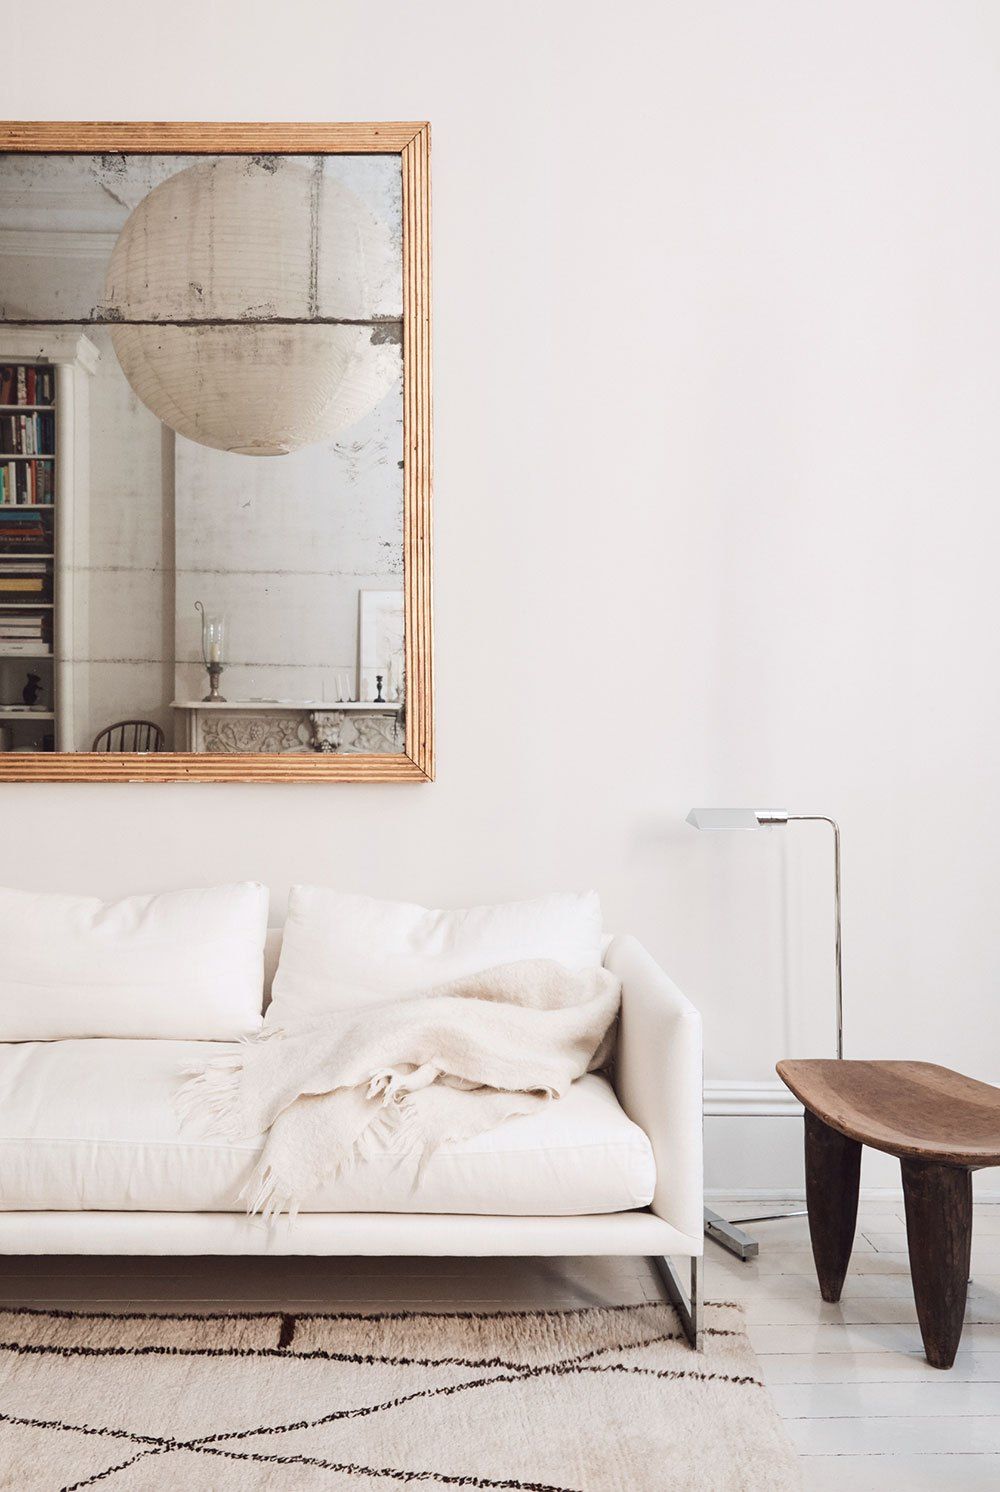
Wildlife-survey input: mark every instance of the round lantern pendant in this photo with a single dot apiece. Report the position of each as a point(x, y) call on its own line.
point(228, 290)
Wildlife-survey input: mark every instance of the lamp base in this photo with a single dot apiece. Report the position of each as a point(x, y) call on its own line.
point(731, 1235)
point(731, 1238)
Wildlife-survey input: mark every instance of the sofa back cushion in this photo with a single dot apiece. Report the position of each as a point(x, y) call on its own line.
point(339, 950)
point(272, 951)
point(184, 965)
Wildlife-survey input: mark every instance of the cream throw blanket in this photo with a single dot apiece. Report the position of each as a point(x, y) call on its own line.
point(406, 1076)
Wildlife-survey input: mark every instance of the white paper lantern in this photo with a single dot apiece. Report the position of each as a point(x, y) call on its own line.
point(237, 265)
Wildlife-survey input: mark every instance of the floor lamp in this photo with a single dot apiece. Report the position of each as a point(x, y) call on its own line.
point(730, 1234)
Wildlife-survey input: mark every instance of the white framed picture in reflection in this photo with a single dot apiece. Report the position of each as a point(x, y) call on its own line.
point(381, 655)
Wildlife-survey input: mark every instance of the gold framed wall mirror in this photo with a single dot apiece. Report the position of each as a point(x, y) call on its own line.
point(215, 453)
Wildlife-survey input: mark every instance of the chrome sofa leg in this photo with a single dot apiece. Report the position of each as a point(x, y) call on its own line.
point(689, 1308)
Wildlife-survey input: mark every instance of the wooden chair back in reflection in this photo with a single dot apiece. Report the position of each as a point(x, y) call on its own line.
point(130, 735)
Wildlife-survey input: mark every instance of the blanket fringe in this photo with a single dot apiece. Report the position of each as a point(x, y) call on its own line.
point(392, 1130)
point(211, 1095)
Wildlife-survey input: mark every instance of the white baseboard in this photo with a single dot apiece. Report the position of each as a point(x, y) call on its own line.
point(795, 1195)
point(768, 1194)
point(731, 1098)
point(751, 1100)
point(738, 1154)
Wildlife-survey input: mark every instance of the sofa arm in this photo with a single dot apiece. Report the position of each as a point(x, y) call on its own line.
point(659, 1080)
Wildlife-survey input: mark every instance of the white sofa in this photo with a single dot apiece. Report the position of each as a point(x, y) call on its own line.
point(93, 1159)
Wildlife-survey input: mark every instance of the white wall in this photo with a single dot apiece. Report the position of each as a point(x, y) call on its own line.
point(717, 379)
point(282, 547)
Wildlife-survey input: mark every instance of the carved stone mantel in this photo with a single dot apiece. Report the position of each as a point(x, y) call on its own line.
point(280, 727)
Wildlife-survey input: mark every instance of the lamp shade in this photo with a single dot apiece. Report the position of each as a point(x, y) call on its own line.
point(735, 818)
point(228, 289)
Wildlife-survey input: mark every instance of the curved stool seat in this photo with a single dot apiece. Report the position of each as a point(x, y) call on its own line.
point(905, 1108)
point(942, 1126)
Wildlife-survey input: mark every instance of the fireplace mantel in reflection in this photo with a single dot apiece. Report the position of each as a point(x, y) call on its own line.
point(288, 727)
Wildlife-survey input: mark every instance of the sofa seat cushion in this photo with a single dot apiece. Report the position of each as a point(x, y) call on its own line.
point(91, 1125)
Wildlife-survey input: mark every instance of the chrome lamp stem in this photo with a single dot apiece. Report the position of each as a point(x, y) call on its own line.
point(725, 1232)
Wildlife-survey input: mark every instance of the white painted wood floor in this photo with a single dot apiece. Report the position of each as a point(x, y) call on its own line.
point(865, 1411)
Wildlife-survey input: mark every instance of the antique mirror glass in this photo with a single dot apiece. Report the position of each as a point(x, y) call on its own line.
point(214, 452)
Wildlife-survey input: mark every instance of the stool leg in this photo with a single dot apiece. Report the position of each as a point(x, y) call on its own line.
point(833, 1174)
point(939, 1234)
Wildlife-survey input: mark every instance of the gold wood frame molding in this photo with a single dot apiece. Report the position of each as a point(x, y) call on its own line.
point(411, 142)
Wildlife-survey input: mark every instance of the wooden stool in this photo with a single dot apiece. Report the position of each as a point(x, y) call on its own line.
point(943, 1126)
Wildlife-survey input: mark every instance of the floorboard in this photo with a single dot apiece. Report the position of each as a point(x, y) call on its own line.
point(863, 1407)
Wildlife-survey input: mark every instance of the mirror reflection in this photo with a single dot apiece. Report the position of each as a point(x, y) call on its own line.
point(201, 486)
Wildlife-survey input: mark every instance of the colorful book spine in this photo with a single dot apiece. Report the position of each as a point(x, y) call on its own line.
point(26, 384)
point(27, 434)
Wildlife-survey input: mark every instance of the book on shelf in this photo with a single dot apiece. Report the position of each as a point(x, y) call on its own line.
point(23, 532)
point(22, 626)
point(14, 519)
point(25, 483)
point(22, 619)
point(27, 383)
point(28, 583)
point(27, 434)
point(22, 623)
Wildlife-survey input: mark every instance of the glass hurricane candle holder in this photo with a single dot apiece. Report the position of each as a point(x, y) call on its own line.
point(213, 651)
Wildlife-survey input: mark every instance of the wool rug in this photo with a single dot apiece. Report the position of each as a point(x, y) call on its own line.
point(589, 1400)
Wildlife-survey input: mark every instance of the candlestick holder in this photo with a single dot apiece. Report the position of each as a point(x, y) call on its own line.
point(214, 675)
point(213, 644)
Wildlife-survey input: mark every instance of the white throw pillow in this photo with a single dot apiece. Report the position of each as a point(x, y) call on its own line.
point(339, 950)
point(184, 965)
